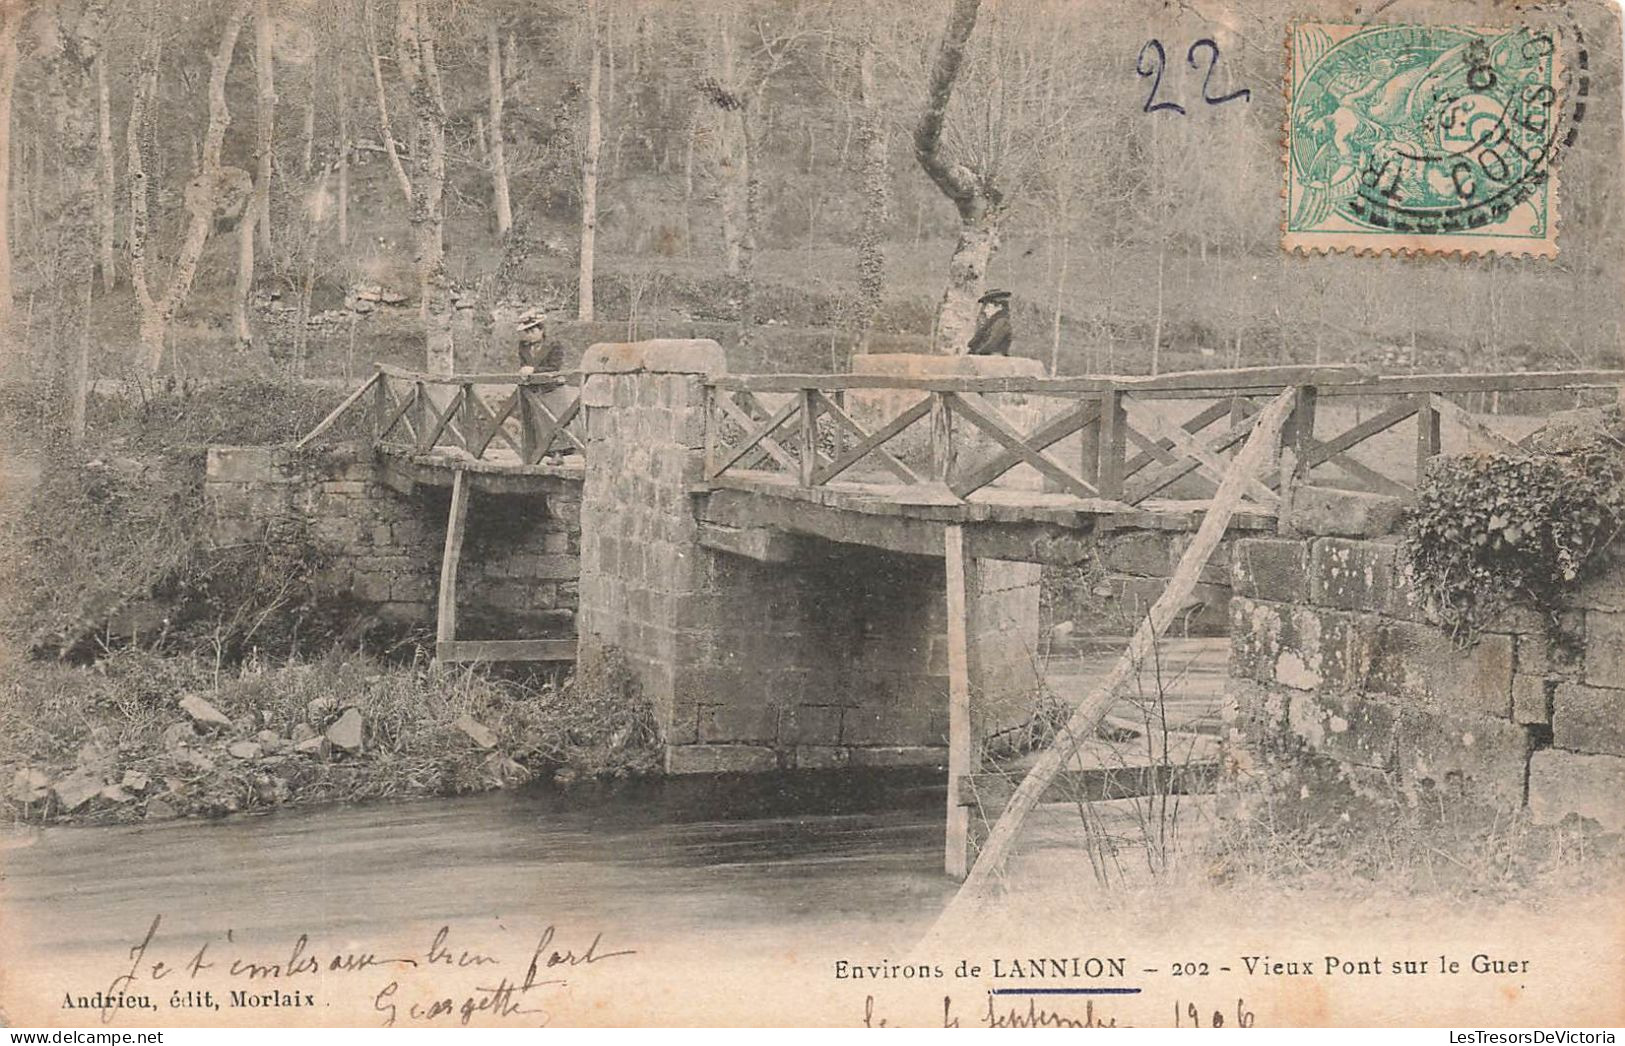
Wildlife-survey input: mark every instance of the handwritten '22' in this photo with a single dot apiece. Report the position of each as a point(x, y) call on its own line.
point(1158, 64)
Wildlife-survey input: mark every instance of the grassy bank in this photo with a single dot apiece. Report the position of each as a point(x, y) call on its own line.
point(115, 608)
point(141, 736)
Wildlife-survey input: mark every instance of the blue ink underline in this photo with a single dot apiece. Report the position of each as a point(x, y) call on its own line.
point(1066, 991)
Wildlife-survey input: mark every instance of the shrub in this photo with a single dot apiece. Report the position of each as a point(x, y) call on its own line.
point(111, 549)
point(115, 554)
point(1492, 530)
point(172, 416)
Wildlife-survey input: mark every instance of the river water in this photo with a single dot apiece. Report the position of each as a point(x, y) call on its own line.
point(742, 852)
point(692, 901)
point(739, 852)
point(726, 867)
point(789, 872)
point(714, 900)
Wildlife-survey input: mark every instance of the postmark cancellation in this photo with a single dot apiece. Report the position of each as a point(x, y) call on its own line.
point(1423, 139)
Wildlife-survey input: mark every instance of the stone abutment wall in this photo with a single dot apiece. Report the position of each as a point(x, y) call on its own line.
point(1332, 657)
point(382, 546)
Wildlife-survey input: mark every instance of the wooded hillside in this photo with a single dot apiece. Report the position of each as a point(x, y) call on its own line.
point(195, 187)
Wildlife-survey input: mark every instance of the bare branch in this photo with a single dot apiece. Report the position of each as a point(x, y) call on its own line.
point(956, 181)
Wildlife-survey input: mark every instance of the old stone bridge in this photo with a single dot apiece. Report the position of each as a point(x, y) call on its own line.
point(844, 570)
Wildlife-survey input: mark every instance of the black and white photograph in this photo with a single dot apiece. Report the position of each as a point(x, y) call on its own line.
point(812, 513)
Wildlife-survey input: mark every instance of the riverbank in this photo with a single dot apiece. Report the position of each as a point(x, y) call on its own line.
point(147, 674)
point(141, 737)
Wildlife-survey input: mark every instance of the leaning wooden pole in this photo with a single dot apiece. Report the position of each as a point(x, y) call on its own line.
point(1262, 446)
point(961, 743)
point(456, 525)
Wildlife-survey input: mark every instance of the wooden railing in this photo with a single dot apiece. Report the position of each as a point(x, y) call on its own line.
point(509, 418)
point(803, 429)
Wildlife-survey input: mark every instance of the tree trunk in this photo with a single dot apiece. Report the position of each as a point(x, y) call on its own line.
point(499, 163)
point(1156, 326)
point(79, 395)
point(69, 39)
point(157, 312)
point(307, 157)
point(688, 182)
point(607, 48)
point(105, 218)
point(1063, 229)
point(733, 162)
point(385, 130)
point(753, 214)
point(344, 160)
point(8, 82)
point(1060, 291)
point(36, 181)
point(307, 285)
point(245, 281)
point(973, 197)
point(141, 95)
point(264, 121)
point(876, 193)
point(967, 278)
point(589, 174)
point(419, 67)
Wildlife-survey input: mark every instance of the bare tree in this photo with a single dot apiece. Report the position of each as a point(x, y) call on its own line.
point(1003, 85)
point(106, 217)
point(876, 190)
point(419, 65)
point(202, 194)
point(973, 195)
point(70, 43)
point(244, 288)
point(752, 48)
point(259, 216)
point(341, 79)
point(386, 129)
point(589, 171)
point(733, 160)
point(264, 121)
point(1060, 241)
point(11, 19)
point(497, 85)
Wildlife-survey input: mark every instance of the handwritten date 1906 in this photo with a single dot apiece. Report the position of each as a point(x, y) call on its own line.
point(1188, 1015)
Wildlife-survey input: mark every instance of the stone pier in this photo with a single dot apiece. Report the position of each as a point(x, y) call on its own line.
point(765, 651)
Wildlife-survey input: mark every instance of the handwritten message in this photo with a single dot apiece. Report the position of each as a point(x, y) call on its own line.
point(405, 987)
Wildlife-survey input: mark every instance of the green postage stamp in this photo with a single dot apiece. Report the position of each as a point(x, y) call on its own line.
point(1431, 139)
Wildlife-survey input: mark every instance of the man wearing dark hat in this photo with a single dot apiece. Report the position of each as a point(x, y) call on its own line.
point(992, 337)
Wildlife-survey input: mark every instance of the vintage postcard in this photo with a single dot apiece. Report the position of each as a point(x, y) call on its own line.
point(976, 513)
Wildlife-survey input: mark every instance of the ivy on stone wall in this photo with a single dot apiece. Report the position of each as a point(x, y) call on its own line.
point(1490, 531)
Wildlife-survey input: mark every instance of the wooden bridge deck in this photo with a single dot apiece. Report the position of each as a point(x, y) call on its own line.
point(934, 501)
point(1078, 452)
